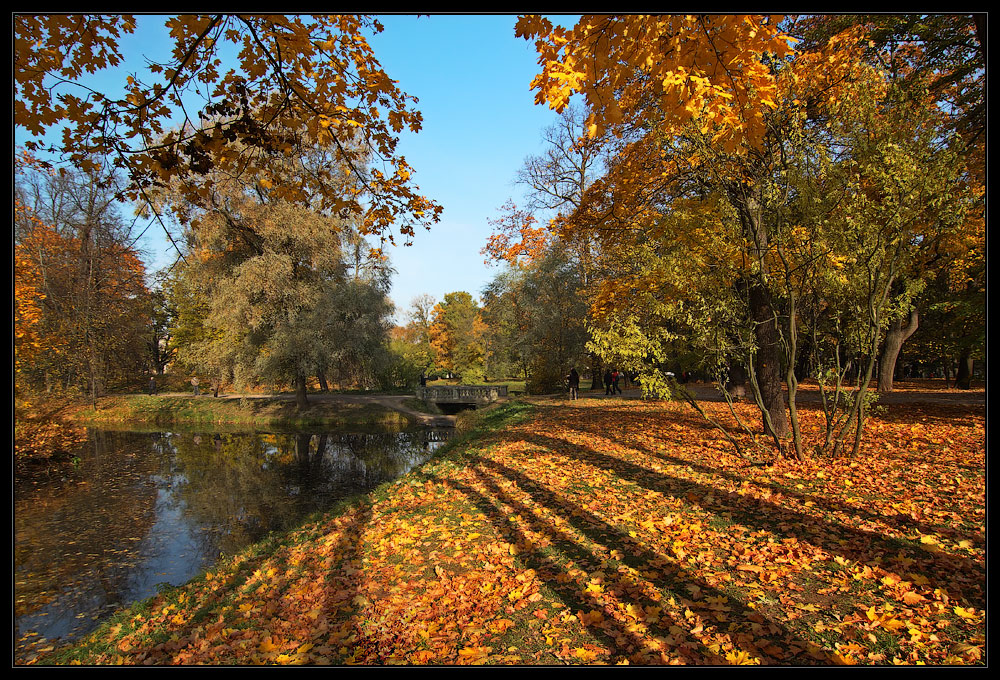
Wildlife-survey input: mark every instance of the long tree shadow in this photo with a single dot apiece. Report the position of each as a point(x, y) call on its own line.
point(669, 574)
point(838, 539)
point(897, 521)
point(275, 603)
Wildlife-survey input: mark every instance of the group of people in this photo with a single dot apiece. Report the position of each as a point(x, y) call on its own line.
point(612, 378)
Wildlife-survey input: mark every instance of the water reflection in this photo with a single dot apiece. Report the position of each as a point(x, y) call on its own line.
point(144, 509)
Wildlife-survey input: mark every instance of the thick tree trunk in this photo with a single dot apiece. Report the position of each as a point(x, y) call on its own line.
point(768, 366)
point(894, 339)
point(596, 372)
point(302, 449)
point(300, 392)
point(963, 380)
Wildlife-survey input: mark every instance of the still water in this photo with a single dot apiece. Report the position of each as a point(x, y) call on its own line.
point(142, 509)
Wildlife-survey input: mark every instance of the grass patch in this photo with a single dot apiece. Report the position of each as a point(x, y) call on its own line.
point(207, 410)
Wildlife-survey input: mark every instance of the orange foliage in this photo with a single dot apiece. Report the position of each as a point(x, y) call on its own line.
point(515, 238)
point(707, 68)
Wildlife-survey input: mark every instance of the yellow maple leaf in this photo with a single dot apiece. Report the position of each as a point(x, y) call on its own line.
point(741, 658)
point(474, 654)
point(500, 625)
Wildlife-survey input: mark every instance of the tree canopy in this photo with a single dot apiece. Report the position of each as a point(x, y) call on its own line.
point(298, 83)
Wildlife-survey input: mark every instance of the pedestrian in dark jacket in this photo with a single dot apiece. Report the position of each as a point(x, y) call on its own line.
point(574, 384)
point(607, 382)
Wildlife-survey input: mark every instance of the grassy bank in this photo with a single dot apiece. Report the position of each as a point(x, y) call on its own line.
point(610, 532)
point(258, 411)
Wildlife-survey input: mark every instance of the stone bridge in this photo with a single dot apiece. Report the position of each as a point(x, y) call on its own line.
point(475, 395)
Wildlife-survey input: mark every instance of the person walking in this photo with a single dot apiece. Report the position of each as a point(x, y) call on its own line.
point(194, 383)
point(574, 384)
point(607, 382)
point(615, 377)
point(152, 385)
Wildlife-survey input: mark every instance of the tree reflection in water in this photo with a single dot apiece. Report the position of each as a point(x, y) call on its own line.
point(143, 509)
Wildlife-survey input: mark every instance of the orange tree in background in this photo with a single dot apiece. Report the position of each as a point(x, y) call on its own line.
point(297, 83)
point(27, 308)
point(455, 336)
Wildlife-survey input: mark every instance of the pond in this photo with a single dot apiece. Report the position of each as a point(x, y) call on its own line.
point(141, 509)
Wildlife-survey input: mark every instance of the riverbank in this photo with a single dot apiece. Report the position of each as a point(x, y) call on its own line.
point(175, 409)
point(610, 532)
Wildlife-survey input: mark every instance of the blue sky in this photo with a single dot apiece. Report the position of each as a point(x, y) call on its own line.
point(471, 76)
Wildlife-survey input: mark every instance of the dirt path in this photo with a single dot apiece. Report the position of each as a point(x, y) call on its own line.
point(810, 393)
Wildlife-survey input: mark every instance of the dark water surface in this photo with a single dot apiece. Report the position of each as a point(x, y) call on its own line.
point(143, 509)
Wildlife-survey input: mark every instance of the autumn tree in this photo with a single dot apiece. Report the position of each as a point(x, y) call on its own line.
point(535, 317)
point(411, 343)
point(941, 54)
point(266, 296)
point(27, 312)
point(658, 74)
point(717, 108)
point(297, 83)
point(454, 335)
point(940, 59)
point(555, 183)
point(89, 282)
point(506, 315)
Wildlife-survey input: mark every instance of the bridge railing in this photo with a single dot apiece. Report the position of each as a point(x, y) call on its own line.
point(462, 394)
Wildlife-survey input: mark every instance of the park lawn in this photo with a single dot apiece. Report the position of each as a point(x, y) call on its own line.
point(610, 532)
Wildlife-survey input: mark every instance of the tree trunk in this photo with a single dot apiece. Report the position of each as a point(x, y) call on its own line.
point(323, 386)
point(300, 392)
point(768, 365)
point(963, 380)
point(302, 449)
point(894, 339)
point(596, 372)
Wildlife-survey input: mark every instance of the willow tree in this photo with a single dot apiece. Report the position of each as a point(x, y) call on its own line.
point(271, 299)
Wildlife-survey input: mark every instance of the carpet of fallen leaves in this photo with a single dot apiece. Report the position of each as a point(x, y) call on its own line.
point(615, 532)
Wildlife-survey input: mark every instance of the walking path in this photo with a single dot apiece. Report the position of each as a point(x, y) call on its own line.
point(810, 393)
